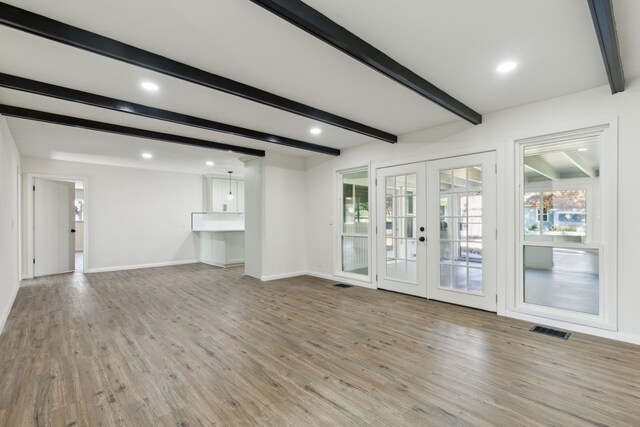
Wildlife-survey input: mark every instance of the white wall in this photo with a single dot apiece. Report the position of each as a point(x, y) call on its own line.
point(253, 230)
point(134, 217)
point(284, 223)
point(497, 131)
point(275, 218)
point(9, 238)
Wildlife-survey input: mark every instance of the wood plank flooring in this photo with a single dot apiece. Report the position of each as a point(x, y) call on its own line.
point(195, 345)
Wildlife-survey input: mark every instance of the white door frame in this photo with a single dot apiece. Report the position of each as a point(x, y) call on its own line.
point(28, 192)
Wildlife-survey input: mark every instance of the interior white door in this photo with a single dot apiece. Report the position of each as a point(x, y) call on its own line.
point(400, 229)
point(54, 222)
point(461, 230)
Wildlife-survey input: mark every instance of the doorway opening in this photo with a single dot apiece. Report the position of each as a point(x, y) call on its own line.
point(57, 223)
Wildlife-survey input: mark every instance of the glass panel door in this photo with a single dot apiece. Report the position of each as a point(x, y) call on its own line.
point(460, 225)
point(461, 230)
point(400, 250)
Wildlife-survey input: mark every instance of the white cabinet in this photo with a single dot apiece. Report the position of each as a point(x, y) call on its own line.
point(240, 198)
point(220, 189)
point(216, 195)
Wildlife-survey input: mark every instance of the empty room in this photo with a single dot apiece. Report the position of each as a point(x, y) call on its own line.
point(319, 213)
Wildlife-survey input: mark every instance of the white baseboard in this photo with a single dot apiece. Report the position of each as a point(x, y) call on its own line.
point(341, 279)
point(319, 275)
point(215, 263)
point(603, 333)
point(282, 276)
point(139, 266)
point(7, 309)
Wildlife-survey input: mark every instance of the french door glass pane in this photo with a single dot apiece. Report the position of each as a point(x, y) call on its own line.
point(400, 227)
point(461, 229)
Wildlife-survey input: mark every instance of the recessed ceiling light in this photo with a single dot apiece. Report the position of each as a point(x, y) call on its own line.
point(151, 87)
point(507, 66)
point(315, 131)
point(147, 155)
point(583, 149)
point(209, 163)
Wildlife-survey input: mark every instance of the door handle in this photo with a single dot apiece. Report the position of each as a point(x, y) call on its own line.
point(73, 230)
point(422, 239)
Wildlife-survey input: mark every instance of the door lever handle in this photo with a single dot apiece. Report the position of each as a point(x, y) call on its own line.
point(73, 230)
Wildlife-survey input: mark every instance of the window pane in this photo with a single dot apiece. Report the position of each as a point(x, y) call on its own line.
point(355, 203)
point(355, 222)
point(459, 179)
point(562, 278)
point(558, 180)
point(474, 178)
point(445, 180)
point(400, 185)
point(355, 255)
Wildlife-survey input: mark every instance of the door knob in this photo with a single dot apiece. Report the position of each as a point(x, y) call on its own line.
point(422, 239)
point(73, 230)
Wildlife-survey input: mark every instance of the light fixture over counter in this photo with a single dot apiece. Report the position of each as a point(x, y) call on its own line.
point(230, 196)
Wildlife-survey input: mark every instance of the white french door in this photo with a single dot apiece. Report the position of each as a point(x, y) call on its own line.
point(436, 230)
point(401, 202)
point(462, 230)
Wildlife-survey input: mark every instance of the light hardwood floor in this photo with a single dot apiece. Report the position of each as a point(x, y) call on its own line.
point(195, 345)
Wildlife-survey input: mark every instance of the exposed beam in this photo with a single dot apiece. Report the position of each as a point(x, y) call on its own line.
point(58, 119)
point(605, 26)
point(580, 162)
point(42, 26)
point(73, 95)
point(540, 166)
point(313, 22)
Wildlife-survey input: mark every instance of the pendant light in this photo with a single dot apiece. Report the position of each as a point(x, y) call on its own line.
point(230, 196)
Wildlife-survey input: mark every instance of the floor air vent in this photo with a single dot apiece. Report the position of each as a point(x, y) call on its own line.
point(551, 332)
point(342, 285)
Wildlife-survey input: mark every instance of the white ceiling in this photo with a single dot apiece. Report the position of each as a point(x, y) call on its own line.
point(454, 44)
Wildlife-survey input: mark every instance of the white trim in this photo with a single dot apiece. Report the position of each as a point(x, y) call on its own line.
point(330, 277)
point(337, 228)
point(234, 263)
point(140, 266)
point(7, 310)
point(282, 276)
point(19, 221)
point(438, 155)
point(341, 279)
point(597, 331)
point(30, 182)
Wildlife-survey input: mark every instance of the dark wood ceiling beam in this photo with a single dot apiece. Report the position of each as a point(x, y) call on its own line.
point(318, 25)
point(605, 26)
point(46, 89)
point(42, 26)
point(58, 119)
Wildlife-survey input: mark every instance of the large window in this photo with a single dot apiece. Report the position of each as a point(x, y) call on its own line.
point(561, 224)
point(354, 234)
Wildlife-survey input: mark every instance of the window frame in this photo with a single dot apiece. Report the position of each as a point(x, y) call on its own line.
point(339, 230)
point(605, 195)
